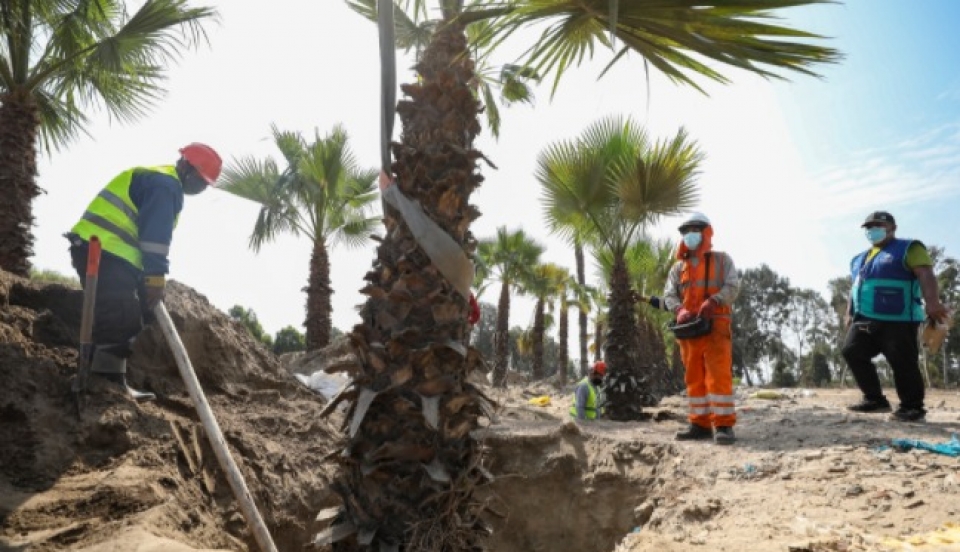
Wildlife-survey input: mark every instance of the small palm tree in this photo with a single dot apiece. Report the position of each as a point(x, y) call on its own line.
point(508, 257)
point(648, 264)
point(609, 185)
point(319, 192)
point(61, 60)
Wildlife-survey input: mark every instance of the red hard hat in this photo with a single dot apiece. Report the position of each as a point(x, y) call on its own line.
point(600, 367)
point(204, 159)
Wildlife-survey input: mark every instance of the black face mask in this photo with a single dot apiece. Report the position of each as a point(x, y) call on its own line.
point(193, 184)
point(190, 179)
point(597, 380)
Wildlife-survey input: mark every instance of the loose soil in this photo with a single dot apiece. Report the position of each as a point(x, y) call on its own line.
point(804, 475)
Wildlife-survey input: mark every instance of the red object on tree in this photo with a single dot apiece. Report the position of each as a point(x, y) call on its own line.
point(474, 315)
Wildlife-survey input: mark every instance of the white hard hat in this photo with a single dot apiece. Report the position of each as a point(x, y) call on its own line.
point(695, 219)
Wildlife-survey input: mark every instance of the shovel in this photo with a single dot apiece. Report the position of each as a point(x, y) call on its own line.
point(79, 386)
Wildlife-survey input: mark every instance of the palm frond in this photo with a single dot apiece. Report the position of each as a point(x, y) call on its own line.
point(674, 36)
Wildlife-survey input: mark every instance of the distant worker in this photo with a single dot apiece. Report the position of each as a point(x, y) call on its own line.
point(701, 287)
point(884, 311)
point(134, 217)
point(586, 398)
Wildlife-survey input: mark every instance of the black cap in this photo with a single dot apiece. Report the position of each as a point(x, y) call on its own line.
point(879, 217)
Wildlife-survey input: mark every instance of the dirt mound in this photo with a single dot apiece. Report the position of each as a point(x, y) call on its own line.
point(128, 477)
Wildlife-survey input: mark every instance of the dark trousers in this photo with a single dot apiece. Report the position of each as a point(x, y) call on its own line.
point(118, 311)
point(897, 341)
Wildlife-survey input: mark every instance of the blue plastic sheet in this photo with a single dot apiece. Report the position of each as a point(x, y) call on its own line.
point(951, 448)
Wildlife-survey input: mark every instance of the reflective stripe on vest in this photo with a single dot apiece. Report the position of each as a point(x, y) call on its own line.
point(589, 409)
point(692, 290)
point(884, 288)
point(112, 217)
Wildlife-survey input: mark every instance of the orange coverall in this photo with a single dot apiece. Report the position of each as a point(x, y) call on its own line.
point(708, 360)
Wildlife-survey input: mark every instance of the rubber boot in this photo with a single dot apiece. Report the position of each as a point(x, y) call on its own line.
point(113, 369)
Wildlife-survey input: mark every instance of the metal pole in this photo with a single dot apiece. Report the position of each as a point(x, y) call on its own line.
point(234, 477)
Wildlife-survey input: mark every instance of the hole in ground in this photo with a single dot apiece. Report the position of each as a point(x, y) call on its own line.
point(561, 489)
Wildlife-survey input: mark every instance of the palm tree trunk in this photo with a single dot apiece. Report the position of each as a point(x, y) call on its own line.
point(538, 331)
point(582, 317)
point(318, 291)
point(664, 380)
point(501, 337)
point(625, 385)
point(562, 337)
point(599, 331)
point(19, 125)
point(410, 464)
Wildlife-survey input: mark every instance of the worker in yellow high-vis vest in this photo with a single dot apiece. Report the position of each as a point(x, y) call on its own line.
point(134, 217)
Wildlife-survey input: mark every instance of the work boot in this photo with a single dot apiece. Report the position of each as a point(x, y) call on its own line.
point(724, 436)
point(112, 368)
point(870, 406)
point(694, 433)
point(909, 414)
point(120, 381)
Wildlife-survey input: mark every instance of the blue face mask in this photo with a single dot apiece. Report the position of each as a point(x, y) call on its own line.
point(875, 234)
point(692, 239)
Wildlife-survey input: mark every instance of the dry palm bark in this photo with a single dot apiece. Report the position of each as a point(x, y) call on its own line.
point(501, 338)
point(626, 384)
point(410, 464)
point(19, 123)
point(318, 298)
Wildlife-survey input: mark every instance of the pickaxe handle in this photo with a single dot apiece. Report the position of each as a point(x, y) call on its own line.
point(86, 321)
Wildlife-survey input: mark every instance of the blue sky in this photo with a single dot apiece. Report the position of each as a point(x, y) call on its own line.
point(792, 167)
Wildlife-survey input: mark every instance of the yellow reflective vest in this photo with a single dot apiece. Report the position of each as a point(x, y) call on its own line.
point(590, 409)
point(112, 217)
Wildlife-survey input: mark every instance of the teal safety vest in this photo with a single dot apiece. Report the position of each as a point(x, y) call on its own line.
point(884, 287)
point(112, 217)
point(590, 409)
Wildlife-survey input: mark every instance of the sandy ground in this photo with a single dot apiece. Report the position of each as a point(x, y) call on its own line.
point(804, 475)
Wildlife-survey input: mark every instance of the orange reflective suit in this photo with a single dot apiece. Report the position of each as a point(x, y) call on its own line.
point(708, 360)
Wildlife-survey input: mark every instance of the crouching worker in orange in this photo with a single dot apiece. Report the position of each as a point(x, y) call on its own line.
point(134, 217)
point(704, 283)
point(586, 398)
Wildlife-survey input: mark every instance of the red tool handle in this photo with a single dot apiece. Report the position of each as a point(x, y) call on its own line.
point(93, 257)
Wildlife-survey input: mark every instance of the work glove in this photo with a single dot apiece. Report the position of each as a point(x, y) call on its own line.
point(707, 308)
point(684, 316)
point(154, 287)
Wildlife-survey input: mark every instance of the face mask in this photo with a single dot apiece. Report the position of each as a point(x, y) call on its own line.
point(692, 239)
point(193, 185)
point(596, 380)
point(876, 234)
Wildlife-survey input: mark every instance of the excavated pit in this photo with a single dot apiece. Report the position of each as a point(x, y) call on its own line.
point(562, 489)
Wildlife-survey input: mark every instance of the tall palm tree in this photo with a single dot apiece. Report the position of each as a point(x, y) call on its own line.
point(544, 282)
point(599, 300)
point(570, 294)
point(59, 61)
point(614, 182)
point(319, 191)
point(493, 84)
point(508, 257)
point(409, 467)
